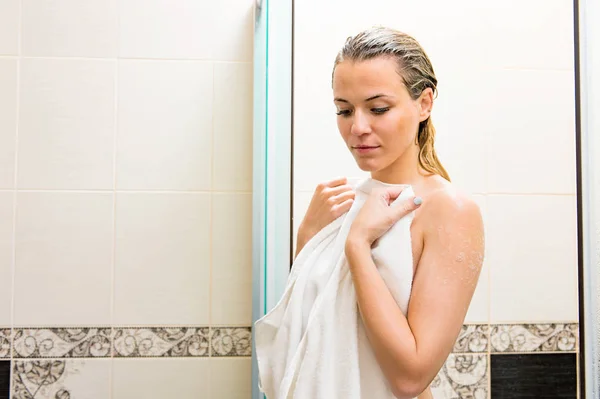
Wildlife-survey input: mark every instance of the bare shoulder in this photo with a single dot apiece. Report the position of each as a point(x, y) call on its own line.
point(450, 205)
point(452, 227)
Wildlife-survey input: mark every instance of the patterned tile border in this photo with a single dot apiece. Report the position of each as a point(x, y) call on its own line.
point(473, 338)
point(126, 342)
point(463, 376)
point(231, 342)
point(43, 379)
point(161, 342)
point(5, 341)
point(526, 338)
point(62, 342)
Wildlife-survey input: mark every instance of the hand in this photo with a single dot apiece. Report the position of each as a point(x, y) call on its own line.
point(330, 200)
point(378, 215)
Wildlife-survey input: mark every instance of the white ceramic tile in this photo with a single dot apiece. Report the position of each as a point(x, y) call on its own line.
point(232, 259)
point(162, 259)
point(531, 142)
point(532, 257)
point(6, 248)
point(166, 29)
point(63, 258)
point(233, 35)
point(53, 379)
point(231, 378)
point(73, 28)
point(459, 116)
point(531, 34)
point(479, 310)
point(66, 126)
point(159, 379)
point(233, 127)
point(164, 125)
point(9, 27)
point(8, 121)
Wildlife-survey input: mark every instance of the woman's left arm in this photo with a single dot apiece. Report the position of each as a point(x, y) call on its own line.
point(411, 350)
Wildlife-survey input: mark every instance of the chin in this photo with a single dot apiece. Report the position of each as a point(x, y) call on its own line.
point(368, 166)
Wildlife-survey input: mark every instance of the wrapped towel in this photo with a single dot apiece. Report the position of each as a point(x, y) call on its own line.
point(313, 344)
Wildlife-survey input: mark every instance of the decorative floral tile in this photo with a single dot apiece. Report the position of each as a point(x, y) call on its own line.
point(534, 338)
point(61, 342)
point(61, 379)
point(5, 338)
point(161, 342)
point(462, 376)
point(231, 341)
point(472, 339)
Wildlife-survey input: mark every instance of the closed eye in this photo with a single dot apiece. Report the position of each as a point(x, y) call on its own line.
point(343, 112)
point(379, 111)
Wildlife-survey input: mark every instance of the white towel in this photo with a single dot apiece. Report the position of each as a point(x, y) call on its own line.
point(312, 344)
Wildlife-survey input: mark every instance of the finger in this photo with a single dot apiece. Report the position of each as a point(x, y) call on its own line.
point(341, 208)
point(339, 190)
point(406, 206)
point(341, 197)
point(336, 182)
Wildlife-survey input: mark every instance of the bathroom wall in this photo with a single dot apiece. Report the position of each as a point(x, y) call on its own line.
point(125, 198)
point(506, 134)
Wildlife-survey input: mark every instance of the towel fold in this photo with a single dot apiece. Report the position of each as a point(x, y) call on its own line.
point(313, 344)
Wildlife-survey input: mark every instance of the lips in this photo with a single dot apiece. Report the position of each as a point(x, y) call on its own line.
point(365, 149)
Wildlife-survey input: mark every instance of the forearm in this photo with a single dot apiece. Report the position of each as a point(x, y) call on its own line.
point(388, 330)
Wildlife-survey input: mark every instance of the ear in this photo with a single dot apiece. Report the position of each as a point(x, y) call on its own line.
point(425, 103)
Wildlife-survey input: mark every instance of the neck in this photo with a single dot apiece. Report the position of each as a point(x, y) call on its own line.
point(404, 170)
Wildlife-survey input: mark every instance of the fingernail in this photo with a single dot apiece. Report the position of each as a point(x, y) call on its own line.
point(418, 201)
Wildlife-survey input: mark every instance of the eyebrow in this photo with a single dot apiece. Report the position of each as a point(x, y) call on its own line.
point(376, 96)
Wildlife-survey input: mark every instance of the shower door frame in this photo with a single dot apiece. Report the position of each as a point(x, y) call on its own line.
point(273, 187)
point(587, 95)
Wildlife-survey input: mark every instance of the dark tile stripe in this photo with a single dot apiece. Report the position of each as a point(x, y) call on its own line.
point(535, 376)
point(4, 379)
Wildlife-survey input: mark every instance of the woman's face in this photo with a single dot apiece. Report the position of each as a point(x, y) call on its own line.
point(377, 118)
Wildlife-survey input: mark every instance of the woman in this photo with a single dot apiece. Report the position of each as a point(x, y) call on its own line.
point(384, 87)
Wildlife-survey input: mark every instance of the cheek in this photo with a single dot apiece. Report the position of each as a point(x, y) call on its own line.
point(344, 127)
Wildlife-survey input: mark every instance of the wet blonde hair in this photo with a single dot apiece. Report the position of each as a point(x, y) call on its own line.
point(416, 71)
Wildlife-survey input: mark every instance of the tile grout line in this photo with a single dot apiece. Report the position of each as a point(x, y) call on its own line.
point(15, 198)
point(211, 217)
point(118, 58)
point(99, 191)
point(114, 221)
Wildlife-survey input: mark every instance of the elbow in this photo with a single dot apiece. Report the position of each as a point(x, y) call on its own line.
point(408, 389)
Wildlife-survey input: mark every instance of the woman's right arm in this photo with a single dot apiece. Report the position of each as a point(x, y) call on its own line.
point(330, 200)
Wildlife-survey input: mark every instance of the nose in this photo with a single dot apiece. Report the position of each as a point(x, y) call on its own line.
point(360, 124)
